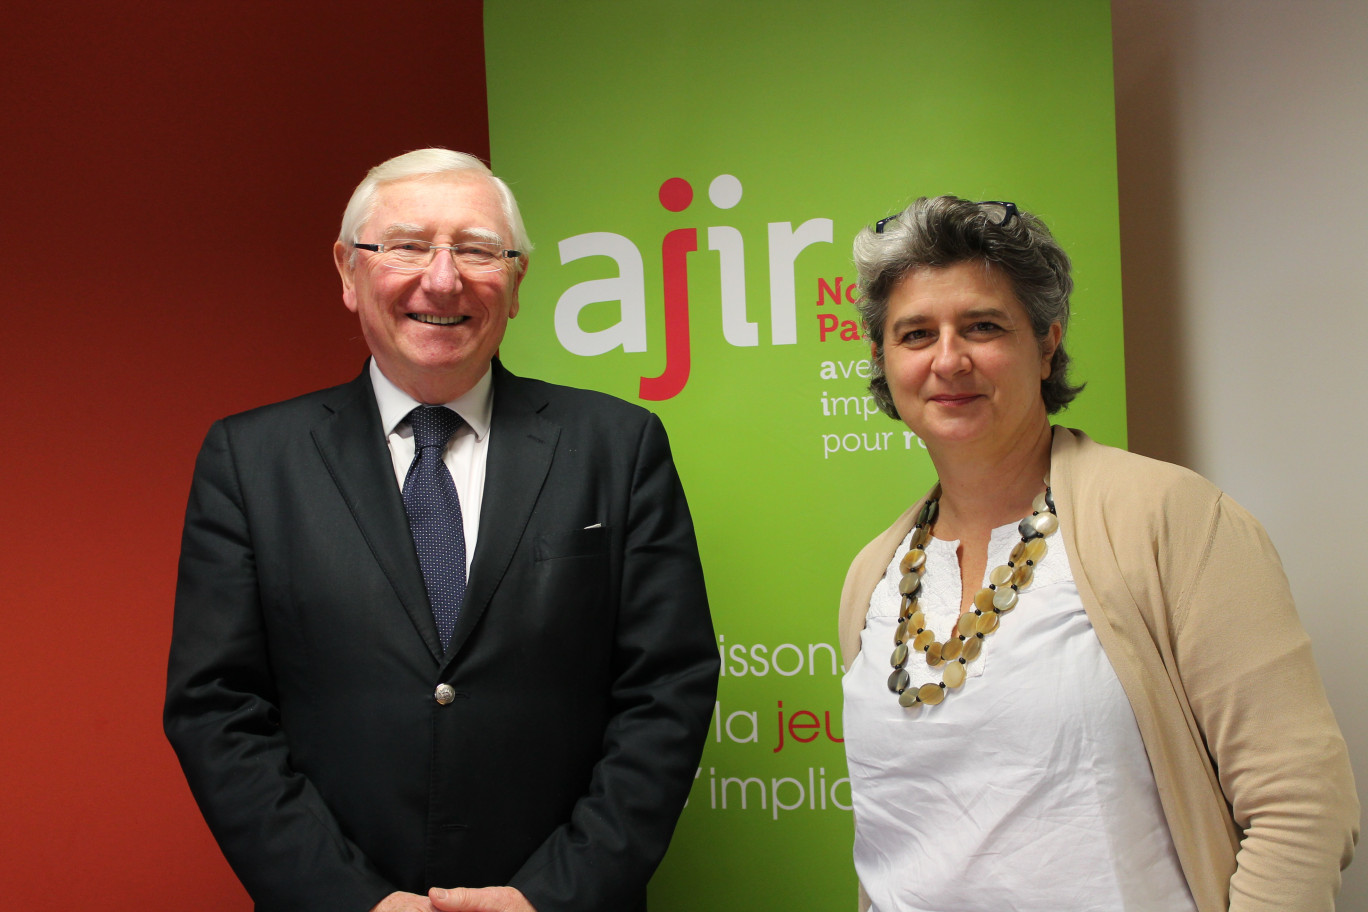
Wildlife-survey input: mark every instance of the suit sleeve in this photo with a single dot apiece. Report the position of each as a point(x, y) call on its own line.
point(663, 688)
point(1246, 664)
point(222, 716)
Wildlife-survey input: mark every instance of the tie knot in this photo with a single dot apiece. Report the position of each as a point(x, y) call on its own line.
point(433, 425)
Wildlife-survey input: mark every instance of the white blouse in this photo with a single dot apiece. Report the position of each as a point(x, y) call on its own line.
point(1028, 788)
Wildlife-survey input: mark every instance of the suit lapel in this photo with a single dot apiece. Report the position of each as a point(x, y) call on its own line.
point(521, 446)
point(351, 441)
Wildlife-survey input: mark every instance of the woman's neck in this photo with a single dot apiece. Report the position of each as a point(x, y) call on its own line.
point(981, 491)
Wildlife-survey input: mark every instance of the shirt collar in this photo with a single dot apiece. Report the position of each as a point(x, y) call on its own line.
point(475, 406)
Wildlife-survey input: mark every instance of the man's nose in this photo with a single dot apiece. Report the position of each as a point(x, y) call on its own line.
point(441, 275)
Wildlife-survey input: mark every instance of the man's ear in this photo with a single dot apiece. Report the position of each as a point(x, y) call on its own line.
point(342, 258)
point(517, 284)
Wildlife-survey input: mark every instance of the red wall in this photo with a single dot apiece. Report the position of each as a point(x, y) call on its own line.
point(173, 178)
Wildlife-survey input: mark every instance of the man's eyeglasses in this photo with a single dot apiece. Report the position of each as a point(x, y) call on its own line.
point(413, 255)
point(998, 213)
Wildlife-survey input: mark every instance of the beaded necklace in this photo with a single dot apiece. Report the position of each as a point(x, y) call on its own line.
point(981, 619)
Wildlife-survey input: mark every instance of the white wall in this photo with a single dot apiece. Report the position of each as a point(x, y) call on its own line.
point(1242, 129)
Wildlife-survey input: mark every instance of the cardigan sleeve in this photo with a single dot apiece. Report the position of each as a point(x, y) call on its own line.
point(1245, 663)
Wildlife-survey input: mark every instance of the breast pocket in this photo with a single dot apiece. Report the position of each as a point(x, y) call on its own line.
point(570, 580)
point(575, 543)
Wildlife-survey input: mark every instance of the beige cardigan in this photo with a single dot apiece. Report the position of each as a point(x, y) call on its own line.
point(1191, 606)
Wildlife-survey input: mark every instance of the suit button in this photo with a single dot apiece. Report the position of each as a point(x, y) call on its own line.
point(444, 694)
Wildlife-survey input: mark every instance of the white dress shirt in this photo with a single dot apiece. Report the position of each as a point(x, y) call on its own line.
point(466, 454)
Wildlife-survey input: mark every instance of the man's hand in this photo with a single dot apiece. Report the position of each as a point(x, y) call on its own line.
point(485, 899)
point(404, 902)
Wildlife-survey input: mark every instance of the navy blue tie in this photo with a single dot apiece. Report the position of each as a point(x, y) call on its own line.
point(434, 513)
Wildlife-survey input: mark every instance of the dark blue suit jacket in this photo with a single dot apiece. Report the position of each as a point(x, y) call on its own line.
point(304, 658)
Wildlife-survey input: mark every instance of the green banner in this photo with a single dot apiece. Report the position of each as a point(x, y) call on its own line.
point(692, 175)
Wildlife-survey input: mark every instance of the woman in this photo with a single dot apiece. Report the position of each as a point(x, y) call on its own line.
point(1076, 677)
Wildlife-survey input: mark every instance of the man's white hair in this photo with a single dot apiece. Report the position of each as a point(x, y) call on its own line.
point(419, 164)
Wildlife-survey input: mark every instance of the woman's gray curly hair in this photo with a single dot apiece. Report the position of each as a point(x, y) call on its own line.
point(933, 233)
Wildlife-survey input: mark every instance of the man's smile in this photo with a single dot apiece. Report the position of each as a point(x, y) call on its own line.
point(438, 319)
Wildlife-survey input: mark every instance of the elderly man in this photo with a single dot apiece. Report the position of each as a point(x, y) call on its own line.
point(441, 638)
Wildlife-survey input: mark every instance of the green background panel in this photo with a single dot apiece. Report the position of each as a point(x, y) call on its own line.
point(844, 113)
